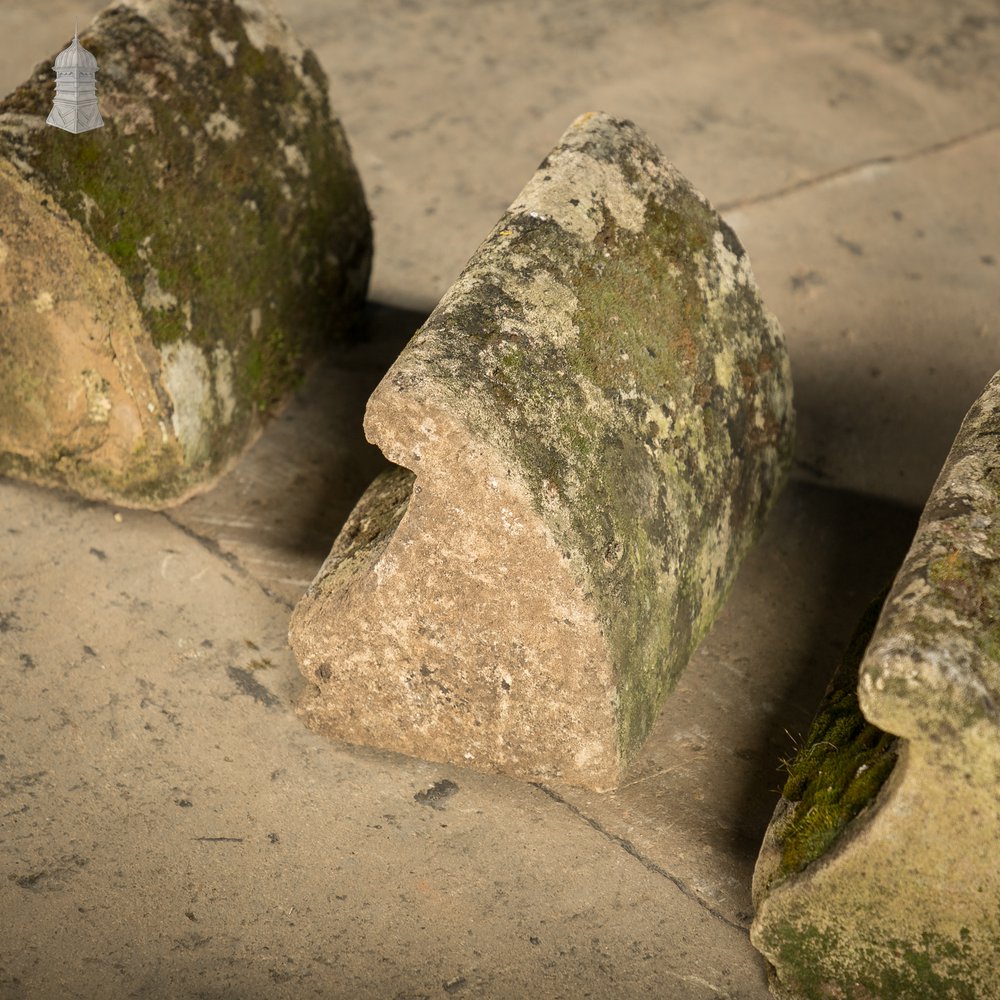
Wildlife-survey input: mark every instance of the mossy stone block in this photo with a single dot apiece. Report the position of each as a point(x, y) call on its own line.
point(165, 279)
point(598, 416)
point(879, 874)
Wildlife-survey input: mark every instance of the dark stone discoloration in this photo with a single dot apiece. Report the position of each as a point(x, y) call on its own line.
point(247, 684)
point(437, 795)
point(54, 877)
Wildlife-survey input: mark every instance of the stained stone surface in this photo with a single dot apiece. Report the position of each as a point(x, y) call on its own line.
point(598, 416)
point(900, 899)
point(165, 279)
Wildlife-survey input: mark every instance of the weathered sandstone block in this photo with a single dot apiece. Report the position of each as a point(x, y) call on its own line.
point(163, 279)
point(880, 872)
point(598, 415)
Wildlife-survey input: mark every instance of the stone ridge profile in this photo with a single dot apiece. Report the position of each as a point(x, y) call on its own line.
point(165, 279)
point(879, 873)
point(598, 416)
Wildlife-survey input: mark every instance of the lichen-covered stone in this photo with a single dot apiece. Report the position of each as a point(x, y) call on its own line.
point(598, 414)
point(898, 893)
point(164, 279)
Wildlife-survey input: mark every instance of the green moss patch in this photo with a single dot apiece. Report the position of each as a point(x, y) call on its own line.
point(815, 964)
point(842, 764)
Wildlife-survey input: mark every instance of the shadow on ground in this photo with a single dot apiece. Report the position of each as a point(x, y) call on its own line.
point(280, 507)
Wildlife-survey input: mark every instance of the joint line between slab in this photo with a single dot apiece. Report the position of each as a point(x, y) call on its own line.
point(629, 848)
point(876, 161)
point(230, 558)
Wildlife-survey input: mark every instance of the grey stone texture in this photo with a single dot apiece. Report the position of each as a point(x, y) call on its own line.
point(598, 416)
point(901, 899)
point(165, 279)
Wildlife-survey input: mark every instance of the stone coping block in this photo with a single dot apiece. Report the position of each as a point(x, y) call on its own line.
point(880, 872)
point(164, 279)
point(598, 416)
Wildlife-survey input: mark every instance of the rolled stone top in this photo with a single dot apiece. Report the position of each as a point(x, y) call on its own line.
point(598, 414)
point(932, 669)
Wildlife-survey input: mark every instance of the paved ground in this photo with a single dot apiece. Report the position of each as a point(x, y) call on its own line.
point(167, 828)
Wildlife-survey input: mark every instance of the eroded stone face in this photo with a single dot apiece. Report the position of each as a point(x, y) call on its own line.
point(192, 254)
point(598, 414)
point(899, 896)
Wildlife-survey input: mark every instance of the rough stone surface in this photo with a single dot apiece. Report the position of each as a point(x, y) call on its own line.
point(163, 280)
point(901, 899)
point(598, 415)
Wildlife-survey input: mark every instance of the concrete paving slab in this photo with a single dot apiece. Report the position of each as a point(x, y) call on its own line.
point(887, 281)
point(744, 99)
point(170, 829)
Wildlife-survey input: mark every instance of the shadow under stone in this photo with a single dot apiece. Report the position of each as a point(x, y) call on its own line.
point(698, 797)
point(279, 508)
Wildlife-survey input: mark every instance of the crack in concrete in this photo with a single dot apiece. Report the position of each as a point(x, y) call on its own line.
point(890, 159)
point(629, 848)
point(230, 558)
